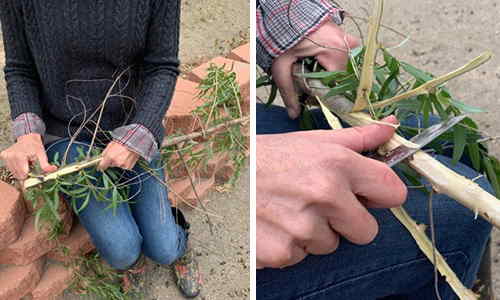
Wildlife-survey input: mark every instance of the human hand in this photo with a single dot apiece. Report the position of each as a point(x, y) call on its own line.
point(117, 155)
point(313, 186)
point(28, 148)
point(330, 35)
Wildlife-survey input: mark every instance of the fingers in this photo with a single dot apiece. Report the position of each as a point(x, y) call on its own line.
point(367, 137)
point(308, 230)
point(373, 180)
point(275, 248)
point(117, 155)
point(105, 163)
point(353, 221)
point(283, 77)
point(44, 162)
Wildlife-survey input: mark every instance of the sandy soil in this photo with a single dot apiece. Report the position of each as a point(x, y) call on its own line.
point(209, 28)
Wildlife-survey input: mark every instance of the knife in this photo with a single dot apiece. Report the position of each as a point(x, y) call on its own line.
point(420, 140)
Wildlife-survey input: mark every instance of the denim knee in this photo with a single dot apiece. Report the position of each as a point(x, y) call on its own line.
point(166, 251)
point(122, 252)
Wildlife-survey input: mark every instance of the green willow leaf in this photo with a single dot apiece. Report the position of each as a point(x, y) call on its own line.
point(466, 108)
point(263, 81)
point(475, 156)
point(322, 75)
point(459, 142)
point(340, 89)
point(417, 73)
point(492, 175)
point(272, 95)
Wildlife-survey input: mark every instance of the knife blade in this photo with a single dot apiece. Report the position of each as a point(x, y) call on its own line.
point(421, 140)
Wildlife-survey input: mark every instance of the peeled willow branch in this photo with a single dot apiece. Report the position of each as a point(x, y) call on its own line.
point(366, 81)
point(442, 179)
point(34, 181)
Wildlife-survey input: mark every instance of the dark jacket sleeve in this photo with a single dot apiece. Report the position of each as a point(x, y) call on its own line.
point(160, 67)
point(23, 83)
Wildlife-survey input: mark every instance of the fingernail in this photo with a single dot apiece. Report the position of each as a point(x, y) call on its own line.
point(391, 119)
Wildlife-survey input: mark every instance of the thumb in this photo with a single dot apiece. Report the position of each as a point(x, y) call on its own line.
point(282, 76)
point(367, 137)
point(44, 162)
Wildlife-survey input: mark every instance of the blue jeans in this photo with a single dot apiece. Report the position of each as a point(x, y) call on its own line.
point(392, 266)
point(144, 225)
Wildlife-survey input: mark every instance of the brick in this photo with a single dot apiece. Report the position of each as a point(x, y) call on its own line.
point(213, 165)
point(241, 69)
point(179, 118)
point(54, 281)
point(178, 189)
point(12, 214)
point(203, 186)
point(242, 53)
point(18, 281)
point(225, 173)
point(177, 169)
point(32, 243)
point(76, 244)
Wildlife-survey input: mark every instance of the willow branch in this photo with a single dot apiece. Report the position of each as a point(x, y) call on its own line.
point(75, 167)
point(366, 80)
point(429, 86)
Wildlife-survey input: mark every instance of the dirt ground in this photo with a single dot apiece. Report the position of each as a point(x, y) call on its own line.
point(443, 36)
point(209, 28)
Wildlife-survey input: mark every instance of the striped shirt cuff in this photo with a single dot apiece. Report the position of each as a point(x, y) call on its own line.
point(281, 24)
point(138, 139)
point(27, 123)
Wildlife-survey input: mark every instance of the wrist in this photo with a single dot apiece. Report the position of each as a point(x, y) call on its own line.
point(30, 136)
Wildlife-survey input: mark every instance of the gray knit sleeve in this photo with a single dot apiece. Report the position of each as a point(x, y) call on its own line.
point(160, 64)
point(23, 83)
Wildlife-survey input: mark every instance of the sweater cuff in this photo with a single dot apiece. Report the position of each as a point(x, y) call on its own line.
point(138, 139)
point(27, 123)
point(281, 24)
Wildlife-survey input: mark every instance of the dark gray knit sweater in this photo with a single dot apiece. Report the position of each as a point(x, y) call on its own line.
point(62, 57)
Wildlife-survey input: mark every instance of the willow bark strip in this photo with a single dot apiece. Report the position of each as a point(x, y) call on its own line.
point(366, 80)
point(75, 167)
point(423, 242)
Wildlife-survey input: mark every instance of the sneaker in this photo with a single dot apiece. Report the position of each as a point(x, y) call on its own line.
point(131, 279)
point(188, 275)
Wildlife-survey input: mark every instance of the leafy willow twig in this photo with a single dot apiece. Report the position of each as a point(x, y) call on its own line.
point(75, 167)
point(432, 84)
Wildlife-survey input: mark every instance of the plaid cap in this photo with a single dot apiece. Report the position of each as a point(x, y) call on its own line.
point(136, 137)
point(281, 24)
